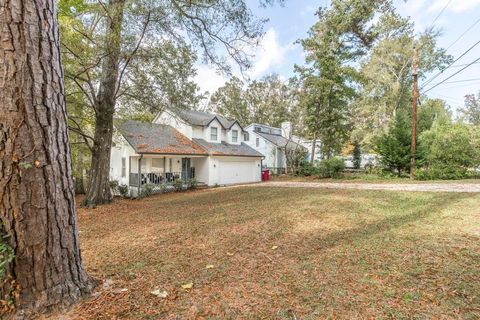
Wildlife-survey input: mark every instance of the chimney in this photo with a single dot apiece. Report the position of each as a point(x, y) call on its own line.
point(286, 129)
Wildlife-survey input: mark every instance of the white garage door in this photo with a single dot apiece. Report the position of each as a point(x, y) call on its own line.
point(237, 171)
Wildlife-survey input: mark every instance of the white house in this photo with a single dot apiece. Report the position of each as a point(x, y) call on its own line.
point(183, 145)
point(271, 142)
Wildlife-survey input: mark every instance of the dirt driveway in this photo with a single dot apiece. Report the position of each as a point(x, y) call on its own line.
point(422, 187)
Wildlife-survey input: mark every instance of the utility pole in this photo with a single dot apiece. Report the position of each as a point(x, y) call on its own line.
point(414, 112)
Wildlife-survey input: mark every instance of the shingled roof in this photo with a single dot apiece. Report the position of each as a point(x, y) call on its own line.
point(227, 149)
point(280, 141)
point(157, 138)
point(199, 118)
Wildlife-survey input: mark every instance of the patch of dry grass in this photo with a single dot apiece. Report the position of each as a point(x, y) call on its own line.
point(281, 253)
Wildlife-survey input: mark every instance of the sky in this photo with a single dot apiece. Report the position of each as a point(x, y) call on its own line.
point(278, 52)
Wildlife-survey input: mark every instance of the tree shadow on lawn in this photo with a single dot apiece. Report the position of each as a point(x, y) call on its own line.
point(367, 230)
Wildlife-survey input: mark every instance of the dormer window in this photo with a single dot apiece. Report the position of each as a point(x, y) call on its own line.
point(234, 135)
point(213, 134)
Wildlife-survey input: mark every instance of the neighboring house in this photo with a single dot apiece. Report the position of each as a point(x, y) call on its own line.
point(183, 145)
point(368, 160)
point(271, 142)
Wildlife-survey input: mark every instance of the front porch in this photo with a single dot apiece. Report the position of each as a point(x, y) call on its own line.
point(164, 170)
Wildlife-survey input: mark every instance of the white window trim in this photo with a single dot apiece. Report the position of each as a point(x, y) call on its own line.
point(235, 137)
point(257, 142)
point(211, 133)
point(124, 167)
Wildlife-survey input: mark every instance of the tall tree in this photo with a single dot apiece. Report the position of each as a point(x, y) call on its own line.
point(342, 35)
point(37, 206)
point(121, 32)
point(385, 73)
point(230, 101)
point(268, 100)
point(471, 111)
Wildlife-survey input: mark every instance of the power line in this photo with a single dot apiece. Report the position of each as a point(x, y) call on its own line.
point(436, 85)
point(461, 65)
point(439, 14)
point(464, 33)
point(463, 80)
point(445, 68)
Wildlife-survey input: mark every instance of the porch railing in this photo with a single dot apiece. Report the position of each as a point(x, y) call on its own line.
point(157, 178)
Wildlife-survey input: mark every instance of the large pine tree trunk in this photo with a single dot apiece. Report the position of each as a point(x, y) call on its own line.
point(79, 185)
point(37, 204)
point(98, 184)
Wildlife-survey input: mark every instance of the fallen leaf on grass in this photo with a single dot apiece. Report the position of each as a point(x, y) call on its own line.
point(160, 294)
point(229, 254)
point(187, 286)
point(274, 247)
point(209, 266)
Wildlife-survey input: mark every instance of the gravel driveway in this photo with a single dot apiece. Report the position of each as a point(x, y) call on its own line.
point(429, 187)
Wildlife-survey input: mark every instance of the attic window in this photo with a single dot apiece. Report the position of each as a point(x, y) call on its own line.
point(213, 134)
point(246, 136)
point(234, 135)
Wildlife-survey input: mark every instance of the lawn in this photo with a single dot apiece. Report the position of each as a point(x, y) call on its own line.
point(280, 253)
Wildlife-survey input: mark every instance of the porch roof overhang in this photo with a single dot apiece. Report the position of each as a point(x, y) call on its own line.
point(158, 139)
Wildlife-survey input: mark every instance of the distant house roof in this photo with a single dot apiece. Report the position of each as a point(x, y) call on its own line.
point(200, 118)
point(157, 138)
point(226, 149)
point(280, 141)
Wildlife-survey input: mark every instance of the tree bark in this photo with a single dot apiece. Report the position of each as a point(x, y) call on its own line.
point(98, 186)
point(37, 204)
point(314, 145)
point(79, 168)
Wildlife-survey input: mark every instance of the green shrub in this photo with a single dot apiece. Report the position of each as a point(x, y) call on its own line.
point(178, 185)
point(114, 186)
point(192, 183)
point(442, 172)
point(451, 150)
point(147, 190)
point(123, 190)
point(308, 169)
point(331, 168)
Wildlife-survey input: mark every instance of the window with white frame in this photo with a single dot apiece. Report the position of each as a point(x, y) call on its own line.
point(124, 167)
point(257, 142)
point(246, 136)
point(213, 134)
point(234, 135)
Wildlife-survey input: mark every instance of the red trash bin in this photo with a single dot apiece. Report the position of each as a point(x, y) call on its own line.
point(265, 175)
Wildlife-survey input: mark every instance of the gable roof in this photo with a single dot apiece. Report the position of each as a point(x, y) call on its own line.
point(157, 138)
point(226, 149)
point(280, 141)
point(200, 118)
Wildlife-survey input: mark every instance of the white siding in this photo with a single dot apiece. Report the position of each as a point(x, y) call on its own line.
point(202, 171)
point(239, 134)
point(214, 124)
point(120, 150)
point(169, 119)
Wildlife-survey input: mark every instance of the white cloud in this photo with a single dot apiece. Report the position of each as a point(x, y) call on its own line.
point(208, 79)
point(270, 53)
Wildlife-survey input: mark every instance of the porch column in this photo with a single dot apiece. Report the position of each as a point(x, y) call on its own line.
point(140, 174)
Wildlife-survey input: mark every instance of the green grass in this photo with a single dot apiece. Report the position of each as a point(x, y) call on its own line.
point(339, 254)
